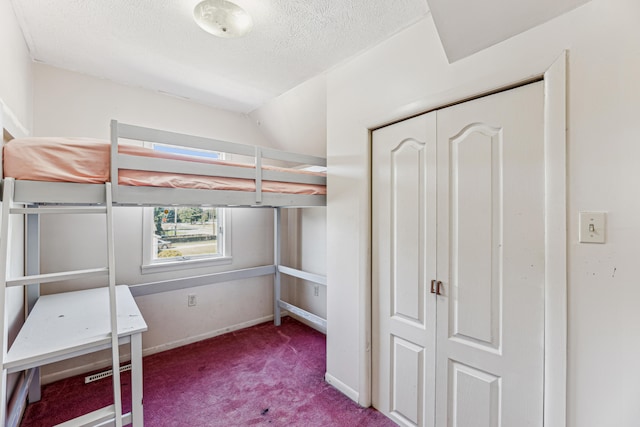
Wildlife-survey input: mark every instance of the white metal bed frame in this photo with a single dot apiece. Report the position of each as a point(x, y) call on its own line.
point(35, 193)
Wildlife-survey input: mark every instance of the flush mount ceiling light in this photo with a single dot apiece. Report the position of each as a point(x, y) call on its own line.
point(222, 18)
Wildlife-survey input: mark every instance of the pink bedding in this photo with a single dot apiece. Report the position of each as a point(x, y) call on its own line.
point(86, 160)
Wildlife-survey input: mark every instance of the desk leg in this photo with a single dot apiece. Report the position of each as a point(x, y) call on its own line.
point(35, 391)
point(136, 380)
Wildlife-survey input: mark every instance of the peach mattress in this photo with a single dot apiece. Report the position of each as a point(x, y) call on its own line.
point(85, 160)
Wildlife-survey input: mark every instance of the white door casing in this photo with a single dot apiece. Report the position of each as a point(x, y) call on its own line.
point(490, 258)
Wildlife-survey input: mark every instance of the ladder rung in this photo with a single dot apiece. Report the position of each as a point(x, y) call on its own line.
point(94, 418)
point(56, 277)
point(60, 210)
point(311, 277)
point(316, 320)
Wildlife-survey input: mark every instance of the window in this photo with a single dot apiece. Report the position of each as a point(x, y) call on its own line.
point(185, 236)
point(178, 237)
point(186, 232)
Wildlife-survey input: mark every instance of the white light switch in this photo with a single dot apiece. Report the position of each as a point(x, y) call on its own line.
point(592, 227)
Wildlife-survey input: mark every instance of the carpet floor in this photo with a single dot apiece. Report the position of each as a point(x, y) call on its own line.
point(263, 375)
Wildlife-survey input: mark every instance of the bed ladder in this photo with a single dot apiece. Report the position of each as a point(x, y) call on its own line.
point(112, 413)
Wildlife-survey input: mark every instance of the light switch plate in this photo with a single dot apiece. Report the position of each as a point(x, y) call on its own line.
point(592, 227)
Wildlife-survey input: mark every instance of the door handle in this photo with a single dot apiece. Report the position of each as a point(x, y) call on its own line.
point(436, 286)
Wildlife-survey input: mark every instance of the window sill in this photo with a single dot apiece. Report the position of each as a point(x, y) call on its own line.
point(160, 267)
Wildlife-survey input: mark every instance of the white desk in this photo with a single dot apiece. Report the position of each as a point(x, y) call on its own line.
point(62, 326)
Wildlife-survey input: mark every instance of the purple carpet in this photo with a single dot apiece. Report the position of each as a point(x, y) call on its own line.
point(263, 375)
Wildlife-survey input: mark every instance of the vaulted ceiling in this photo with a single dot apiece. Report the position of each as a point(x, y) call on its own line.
point(156, 44)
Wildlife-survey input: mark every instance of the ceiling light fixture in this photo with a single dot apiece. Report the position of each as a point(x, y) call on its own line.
point(222, 18)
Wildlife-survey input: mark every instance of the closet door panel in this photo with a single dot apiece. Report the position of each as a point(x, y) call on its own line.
point(408, 171)
point(460, 190)
point(403, 260)
point(490, 326)
point(476, 207)
point(475, 397)
point(407, 381)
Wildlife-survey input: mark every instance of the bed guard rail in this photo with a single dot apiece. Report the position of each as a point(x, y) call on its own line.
point(258, 154)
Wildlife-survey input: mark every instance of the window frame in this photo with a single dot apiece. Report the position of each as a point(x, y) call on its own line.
point(151, 265)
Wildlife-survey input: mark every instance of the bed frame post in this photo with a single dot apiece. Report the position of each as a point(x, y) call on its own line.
point(32, 292)
point(258, 163)
point(276, 261)
point(5, 237)
point(114, 159)
point(113, 312)
point(4, 137)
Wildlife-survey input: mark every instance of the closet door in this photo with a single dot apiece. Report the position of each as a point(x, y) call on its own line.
point(491, 261)
point(404, 249)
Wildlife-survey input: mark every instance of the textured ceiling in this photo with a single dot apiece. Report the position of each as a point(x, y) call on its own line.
point(155, 44)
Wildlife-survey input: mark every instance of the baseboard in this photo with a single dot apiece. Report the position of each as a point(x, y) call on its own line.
point(104, 363)
point(211, 334)
point(341, 387)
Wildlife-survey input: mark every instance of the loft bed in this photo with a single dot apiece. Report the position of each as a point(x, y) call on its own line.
point(72, 171)
point(126, 172)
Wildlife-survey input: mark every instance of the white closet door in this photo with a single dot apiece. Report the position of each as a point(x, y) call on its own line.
point(491, 261)
point(404, 245)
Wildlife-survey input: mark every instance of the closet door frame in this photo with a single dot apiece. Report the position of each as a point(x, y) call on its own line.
point(555, 157)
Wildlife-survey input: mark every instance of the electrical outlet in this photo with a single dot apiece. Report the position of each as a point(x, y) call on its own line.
point(191, 300)
point(316, 290)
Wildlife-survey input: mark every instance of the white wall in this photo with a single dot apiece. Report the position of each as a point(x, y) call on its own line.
point(16, 96)
point(312, 253)
point(16, 76)
point(408, 74)
point(72, 104)
point(297, 121)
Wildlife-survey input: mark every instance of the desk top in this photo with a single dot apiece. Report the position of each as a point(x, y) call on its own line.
point(72, 323)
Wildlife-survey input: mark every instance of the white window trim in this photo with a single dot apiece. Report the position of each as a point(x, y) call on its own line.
point(150, 266)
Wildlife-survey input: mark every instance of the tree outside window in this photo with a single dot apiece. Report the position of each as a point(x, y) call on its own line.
point(187, 232)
